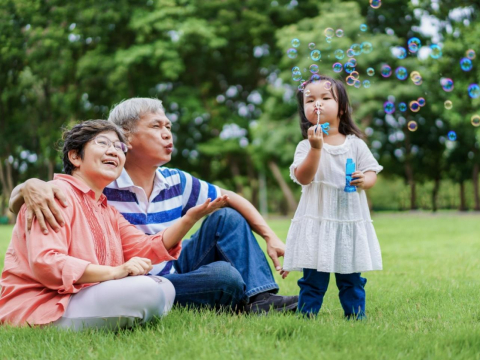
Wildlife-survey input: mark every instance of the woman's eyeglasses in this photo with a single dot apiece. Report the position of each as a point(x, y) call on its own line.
point(105, 143)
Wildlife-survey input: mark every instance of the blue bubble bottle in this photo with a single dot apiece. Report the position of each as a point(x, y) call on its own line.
point(349, 170)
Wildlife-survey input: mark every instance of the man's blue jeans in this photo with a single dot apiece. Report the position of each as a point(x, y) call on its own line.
point(314, 284)
point(221, 264)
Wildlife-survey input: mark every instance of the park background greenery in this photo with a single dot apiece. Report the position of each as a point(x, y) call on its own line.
point(221, 68)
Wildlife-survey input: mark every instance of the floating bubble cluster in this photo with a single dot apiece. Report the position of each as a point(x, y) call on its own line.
point(474, 91)
point(475, 120)
point(414, 44)
point(414, 106)
point(350, 53)
point(316, 55)
point(435, 51)
point(355, 75)
point(466, 64)
point(339, 54)
point(350, 81)
point(337, 67)
point(366, 47)
point(349, 67)
point(386, 71)
point(292, 53)
point(314, 68)
point(297, 76)
point(447, 84)
point(375, 3)
point(452, 136)
point(416, 77)
point(448, 104)
point(412, 125)
point(295, 43)
point(389, 107)
point(470, 53)
point(401, 73)
point(356, 49)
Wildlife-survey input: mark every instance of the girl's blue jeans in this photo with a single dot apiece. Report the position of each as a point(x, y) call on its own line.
point(314, 284)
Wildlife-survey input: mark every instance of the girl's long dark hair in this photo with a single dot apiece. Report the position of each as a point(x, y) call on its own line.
point(339, 93)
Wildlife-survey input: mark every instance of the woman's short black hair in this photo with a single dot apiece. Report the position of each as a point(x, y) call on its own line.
point(339, 93)
point(81, 134)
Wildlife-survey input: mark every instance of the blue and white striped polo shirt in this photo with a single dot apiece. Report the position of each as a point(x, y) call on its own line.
point(174, 193)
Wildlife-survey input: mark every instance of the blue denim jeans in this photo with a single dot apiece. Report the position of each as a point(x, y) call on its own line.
point(221, 264)
point(314, 284)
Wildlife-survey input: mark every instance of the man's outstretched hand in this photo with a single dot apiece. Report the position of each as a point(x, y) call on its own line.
point(276, 249)
point(40, 201)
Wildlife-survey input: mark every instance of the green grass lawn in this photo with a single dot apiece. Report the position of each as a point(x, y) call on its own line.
point(424, 305)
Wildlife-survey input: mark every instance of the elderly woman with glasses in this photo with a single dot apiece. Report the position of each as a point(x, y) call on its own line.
point(88, 274)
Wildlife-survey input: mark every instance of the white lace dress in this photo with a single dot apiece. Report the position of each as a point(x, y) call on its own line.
point(332, 230)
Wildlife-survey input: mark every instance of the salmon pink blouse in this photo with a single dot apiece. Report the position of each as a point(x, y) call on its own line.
point(41, 271)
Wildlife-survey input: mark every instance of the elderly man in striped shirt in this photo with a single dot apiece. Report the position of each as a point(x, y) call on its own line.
point(222, 264)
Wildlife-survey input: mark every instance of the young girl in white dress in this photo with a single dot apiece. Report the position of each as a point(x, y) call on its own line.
point(332, 231)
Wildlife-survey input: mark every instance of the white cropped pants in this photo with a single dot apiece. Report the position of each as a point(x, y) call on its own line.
point(118, 304)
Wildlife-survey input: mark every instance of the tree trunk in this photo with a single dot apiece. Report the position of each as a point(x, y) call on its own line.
point(463, 206)
point(6, 177)
point(411, 183)
point(236, 176)
point(475, 187)
point(436, 188)
point(291, 202)
point(252, 179)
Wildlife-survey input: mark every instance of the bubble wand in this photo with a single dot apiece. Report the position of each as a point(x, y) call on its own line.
point(325, 127)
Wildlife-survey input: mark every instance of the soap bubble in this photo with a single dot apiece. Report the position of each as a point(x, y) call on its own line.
point(295, 43)
point(370, 72)
point(375, 3)
point(402, 107)
point(452, 136)
point(337, 67)
point(292, 53)
point(421, 101)
point(311, 46)
point(416, 77)
point(466, 64)
point(474, 91)
point(366, 47)
point(350, 53)
point(470, 53)
point(412, 125)
point(350, 81)
point(353, 61)
point(349, 67)
point(314, 68)
point(366, 84)
point(386, 71)
point(447, 84)
point(307, 92)
point(414, 44)
point(301, 87)
point(355, 74)
point(327, 85)
point(363, 27)
point(400, 52)
point(339, 54)
point(475, 120)
point(328, 40)
point(448, 104)
point(414, 106)
point(339, 32)
point(357, 84)
point(436, 51)
point(329, 32)
point(295, 68)
point(401, 73)
point(315, 77)
point(297, 76)
point(357, 49)
point(316, 55)
point(389, 107)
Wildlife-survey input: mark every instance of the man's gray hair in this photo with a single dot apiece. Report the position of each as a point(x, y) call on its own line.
point(127, 113)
